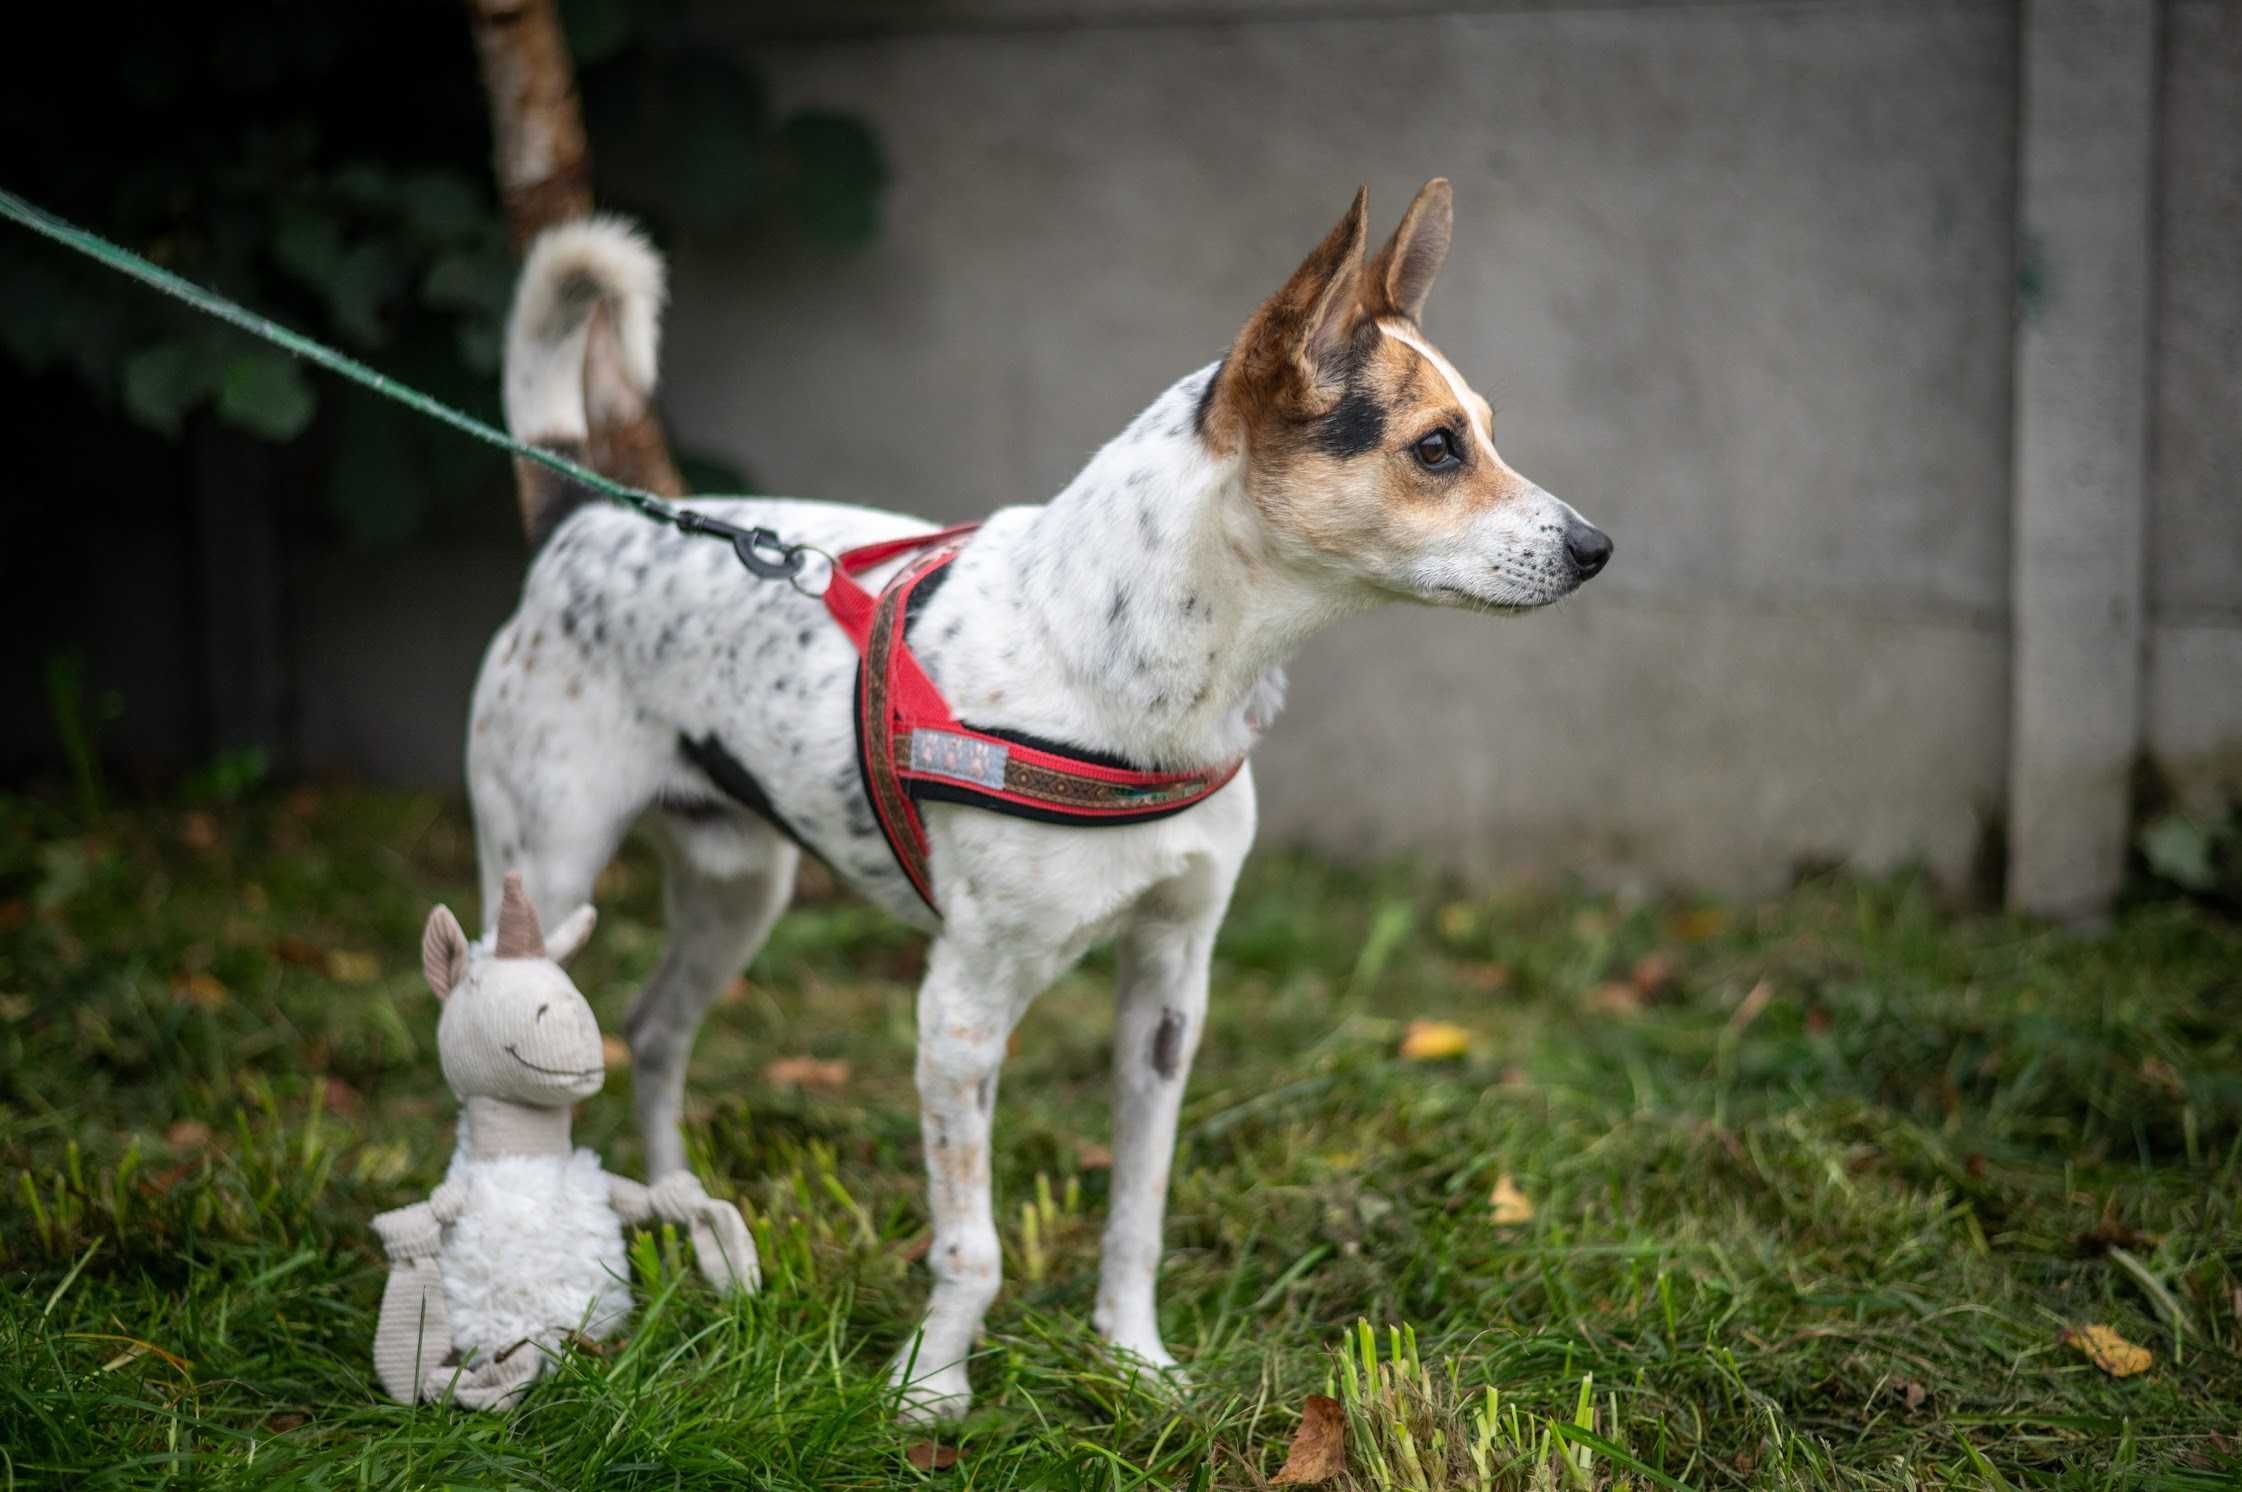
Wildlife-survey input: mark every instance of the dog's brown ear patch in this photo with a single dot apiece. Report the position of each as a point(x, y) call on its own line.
point(1400, 278)
point(1282, 360)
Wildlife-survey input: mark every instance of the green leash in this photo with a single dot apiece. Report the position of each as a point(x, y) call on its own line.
point(753, 545)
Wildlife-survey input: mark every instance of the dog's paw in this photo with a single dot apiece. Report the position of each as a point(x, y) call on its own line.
point(1156, 1370)
point(934, 1398)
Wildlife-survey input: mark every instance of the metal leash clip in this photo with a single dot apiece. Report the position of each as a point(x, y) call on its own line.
point(766, 555)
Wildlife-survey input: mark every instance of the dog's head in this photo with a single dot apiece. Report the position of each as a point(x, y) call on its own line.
point(1366, 455)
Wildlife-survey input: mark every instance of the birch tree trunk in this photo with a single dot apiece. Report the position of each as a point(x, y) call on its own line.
point(544, 170)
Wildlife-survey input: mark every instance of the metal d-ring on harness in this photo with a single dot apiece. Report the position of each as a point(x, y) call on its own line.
point(910, 747)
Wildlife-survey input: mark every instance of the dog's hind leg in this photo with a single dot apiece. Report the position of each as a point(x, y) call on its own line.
point(1160, 1006)
point(726, 877)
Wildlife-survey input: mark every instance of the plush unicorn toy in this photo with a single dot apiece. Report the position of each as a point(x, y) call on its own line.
point(521, 1249)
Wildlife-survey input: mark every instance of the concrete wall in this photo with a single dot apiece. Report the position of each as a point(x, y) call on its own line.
point(1736, 277)
point(2193, 706)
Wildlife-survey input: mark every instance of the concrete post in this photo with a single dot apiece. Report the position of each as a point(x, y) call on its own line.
point(2086, 177)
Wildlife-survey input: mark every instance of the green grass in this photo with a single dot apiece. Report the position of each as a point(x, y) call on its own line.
point(1825, 1236)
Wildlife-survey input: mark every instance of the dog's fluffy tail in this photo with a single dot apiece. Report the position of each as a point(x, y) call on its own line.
point(581, 348)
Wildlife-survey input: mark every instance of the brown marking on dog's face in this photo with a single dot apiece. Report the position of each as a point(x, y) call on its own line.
point(1364, 450)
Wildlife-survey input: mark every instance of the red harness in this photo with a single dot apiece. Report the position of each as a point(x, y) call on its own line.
point(912, 749)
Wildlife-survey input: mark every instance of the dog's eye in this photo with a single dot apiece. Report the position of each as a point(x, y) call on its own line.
point(1437, 451)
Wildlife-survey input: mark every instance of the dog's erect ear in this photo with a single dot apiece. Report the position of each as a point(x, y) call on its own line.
point(443, 952)
point(567, 940)
point(1399, 279)
point(1280, 359)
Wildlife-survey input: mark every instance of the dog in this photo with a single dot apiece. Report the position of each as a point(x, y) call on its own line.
point(1330, 461)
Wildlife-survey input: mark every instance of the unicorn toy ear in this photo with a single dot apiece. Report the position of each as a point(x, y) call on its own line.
point(568, 939)
point(443, 952)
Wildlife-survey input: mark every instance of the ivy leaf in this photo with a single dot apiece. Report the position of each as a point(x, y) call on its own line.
point(309, 245)
point(442, 207)
point(163, 382)
point(2179, 850)
point(687, 137)
point(469, 280)
point(597, 29)
point(834, 175)
point(480, 345)
point(265, 392)
point(363, 283)
point(364, 185)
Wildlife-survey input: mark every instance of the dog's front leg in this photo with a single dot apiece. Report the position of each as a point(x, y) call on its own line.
point(1160, 997)
point(968, 1004)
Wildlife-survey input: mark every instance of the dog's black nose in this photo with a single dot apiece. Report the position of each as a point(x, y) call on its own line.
point(1589, 546)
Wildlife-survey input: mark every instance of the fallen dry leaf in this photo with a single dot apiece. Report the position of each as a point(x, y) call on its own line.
point(927, 1456)
point(302, 952)
point(916, 1249)
point(200, 990)
point(2108, 1351)
point(2164, 1075)
point(1818, 1021)
point(304, 802)
point(1319, 1446)
point(1697, 924)
point(1511, 1207)
point(346, 966)
point(1434, 1041)
point(160, 1184)
point(1652, 973)
point(1755, 1001)
point(613, 1053)
point(1089, 1155)
point(1487, 979)
point(187, 1134)
point(735, 993)
point(1910, 1393)
point(1615, 998)
point(198, 831)
point(14, 912)
point(806, 1072)
point(15, 1007)
point(2109, 1234)
point(339, 1098)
